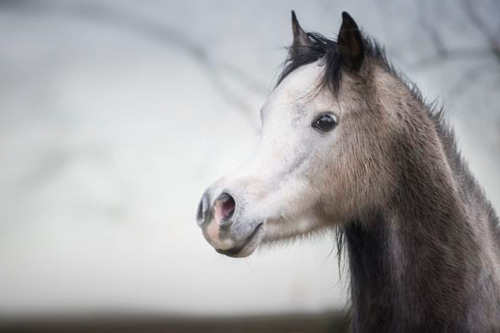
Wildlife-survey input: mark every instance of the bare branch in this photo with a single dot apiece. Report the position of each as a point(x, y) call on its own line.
point(168, 36)
point(479, 24)
point(438, 59)
point(430, 28)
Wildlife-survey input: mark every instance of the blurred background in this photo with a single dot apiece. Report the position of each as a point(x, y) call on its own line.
point(115, 115)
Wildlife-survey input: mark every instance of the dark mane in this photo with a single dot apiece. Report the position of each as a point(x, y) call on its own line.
point(320, 47)
point(323, 47)
point(470, 189)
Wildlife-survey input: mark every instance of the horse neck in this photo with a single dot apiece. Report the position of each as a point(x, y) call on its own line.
point(426, 261)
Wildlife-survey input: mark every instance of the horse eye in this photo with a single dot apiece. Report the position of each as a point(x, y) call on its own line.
point(325, 122)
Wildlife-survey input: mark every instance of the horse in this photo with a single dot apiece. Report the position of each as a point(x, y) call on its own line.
point(349, 144)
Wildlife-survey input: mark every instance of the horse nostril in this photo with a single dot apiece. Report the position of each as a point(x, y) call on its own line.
point(224, 207)
point(202, 209)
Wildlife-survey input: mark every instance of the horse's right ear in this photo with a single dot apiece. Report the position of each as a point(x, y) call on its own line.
point(350, 44)
point(300, 39)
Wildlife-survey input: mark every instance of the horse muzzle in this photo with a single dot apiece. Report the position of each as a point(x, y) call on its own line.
point(222, 221)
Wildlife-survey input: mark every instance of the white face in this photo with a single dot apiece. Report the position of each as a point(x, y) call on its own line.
point(277, 193)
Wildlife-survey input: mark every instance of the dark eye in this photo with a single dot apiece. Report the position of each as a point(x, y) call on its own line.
point(325, 122)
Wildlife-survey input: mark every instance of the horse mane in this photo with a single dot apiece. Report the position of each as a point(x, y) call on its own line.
point(469, 188)
point(320, 47)
point(323, 47)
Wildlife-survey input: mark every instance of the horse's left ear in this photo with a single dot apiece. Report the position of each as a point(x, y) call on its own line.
point(301, 41)
point(350, 44)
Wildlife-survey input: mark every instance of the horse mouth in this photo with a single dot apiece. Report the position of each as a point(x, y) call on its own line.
point(248, 246)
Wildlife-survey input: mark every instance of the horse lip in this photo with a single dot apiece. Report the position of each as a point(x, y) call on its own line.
point(248, 246)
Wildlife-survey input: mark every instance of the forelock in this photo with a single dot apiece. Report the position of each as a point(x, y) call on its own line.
point(320, 47)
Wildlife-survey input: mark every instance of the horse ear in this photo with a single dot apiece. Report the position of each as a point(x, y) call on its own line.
point(300, 39)
point(350, 43)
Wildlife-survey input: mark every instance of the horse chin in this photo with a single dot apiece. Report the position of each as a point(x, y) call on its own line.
point(249, 245)
point(281, 230)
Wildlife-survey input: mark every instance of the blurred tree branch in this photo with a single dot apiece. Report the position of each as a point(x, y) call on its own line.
point(442, 52)
point(481, 26)
point(214, 69)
